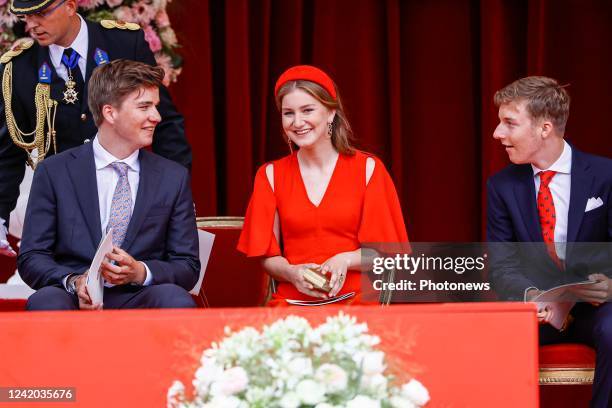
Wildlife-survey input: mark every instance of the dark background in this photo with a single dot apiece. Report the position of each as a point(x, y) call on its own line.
point(417, 79)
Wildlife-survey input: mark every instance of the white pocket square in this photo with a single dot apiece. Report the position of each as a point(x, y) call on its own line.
point(593, 203)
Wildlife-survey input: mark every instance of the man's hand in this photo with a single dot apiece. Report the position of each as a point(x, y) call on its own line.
point(5, 247)
point(6, 250)
point(598, 292)
point(296, 277)
point(81, 291)
point(545, 315)
point(125, 270)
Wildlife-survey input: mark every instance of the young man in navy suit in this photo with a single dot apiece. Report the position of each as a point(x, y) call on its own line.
point(112, 182)
point(553, 195)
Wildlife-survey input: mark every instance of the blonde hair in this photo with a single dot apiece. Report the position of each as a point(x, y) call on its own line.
point(546, 99)
point(342, 134)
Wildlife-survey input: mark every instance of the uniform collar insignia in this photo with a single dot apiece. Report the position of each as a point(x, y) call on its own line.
point(44, 73)
point(100, 56)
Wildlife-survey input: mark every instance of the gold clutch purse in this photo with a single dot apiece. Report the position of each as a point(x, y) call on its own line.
point(317, 279)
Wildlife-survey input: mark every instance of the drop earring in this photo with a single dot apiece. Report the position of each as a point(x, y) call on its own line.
point(290, 145)
point(330, 129)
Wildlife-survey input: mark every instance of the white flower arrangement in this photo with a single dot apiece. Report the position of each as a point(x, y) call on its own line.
point(290, 364)
point(150, 14)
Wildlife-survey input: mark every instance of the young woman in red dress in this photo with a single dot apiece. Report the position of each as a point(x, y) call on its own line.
point(319, 205)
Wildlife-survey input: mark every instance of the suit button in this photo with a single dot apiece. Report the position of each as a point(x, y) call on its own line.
point(86, 141)
point(83, 117)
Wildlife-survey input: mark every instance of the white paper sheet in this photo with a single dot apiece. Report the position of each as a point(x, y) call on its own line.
point(95, 281)
point(206, 241)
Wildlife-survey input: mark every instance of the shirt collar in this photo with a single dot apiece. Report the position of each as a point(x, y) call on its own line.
point(80, 44)
point(563, 163)
point(103, 157)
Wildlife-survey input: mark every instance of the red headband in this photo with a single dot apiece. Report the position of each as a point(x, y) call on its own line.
point(307, 73)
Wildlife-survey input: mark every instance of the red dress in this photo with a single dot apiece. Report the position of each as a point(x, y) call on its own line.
point(349, 214)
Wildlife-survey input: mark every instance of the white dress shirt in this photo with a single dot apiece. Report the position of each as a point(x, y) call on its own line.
point(80, 45)
point(107, 178)
point(560, 186)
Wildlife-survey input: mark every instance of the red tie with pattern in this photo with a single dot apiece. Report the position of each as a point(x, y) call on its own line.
point(546, 211)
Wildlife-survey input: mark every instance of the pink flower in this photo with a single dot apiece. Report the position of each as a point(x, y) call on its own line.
point(161, 19)
point(89, 4)
point(113, 3)
point(3, 2)
point(124, 13)
point(143, 12)
point(168, 37)
point(164, 61)
point(151, 36)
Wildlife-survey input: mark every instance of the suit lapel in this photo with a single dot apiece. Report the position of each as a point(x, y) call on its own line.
point(147, 188)
point(524, 192)
point(582, 181)
point(82, 171)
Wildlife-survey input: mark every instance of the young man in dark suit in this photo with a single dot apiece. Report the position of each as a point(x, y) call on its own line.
point(558, 198)
point(113, 182)
point(64, 52)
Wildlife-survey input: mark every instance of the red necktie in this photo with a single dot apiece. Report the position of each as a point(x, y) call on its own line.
point(548, 216)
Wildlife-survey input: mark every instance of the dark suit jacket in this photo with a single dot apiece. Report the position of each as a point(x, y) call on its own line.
point(169, 140)
point(62, 225)
point(512, 216)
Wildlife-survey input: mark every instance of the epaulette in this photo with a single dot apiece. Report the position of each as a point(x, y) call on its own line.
point(17, 48)
point(119, 24)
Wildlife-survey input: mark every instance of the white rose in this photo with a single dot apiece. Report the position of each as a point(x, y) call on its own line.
point(290, 400)
point(232, 381)
point(333, 377)
point(415, 392)
point(376, 383)
point(310, 392)
point(176, 394)
point(223, 401)
point(361, 401)
point(300, 367)
point(206, 374)
point(400, 402)
point(371, 363)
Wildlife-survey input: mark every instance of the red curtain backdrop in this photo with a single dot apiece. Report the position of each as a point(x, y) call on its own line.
point(417, 78)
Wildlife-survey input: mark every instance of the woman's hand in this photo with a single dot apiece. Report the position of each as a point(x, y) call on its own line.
point(296, 277)
point(337, 266)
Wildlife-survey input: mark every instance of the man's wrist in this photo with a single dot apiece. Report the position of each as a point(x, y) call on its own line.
point(531, 293)
point(71, 283)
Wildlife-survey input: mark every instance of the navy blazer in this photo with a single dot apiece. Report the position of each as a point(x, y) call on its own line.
point(512, 216)
point(63, 230)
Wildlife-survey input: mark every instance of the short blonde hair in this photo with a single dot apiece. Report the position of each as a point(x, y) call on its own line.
point(112, 82)
point(545, 98)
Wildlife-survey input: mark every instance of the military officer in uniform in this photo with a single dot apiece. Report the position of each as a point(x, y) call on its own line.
point(43, 108)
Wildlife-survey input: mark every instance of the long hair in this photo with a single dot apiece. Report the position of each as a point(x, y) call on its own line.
point(342, 134)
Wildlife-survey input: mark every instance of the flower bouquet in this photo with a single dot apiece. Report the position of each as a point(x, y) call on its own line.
point(290, 364)
point(149, 14)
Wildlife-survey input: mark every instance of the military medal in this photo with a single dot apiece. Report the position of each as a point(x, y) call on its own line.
point(71, 62)
point(70, 94)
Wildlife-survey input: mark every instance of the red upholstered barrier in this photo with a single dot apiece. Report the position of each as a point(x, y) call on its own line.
point(567, 354)
point(467, 355)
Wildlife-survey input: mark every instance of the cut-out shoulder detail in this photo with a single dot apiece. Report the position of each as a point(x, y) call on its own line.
point(370, 164)
point(270, 175)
